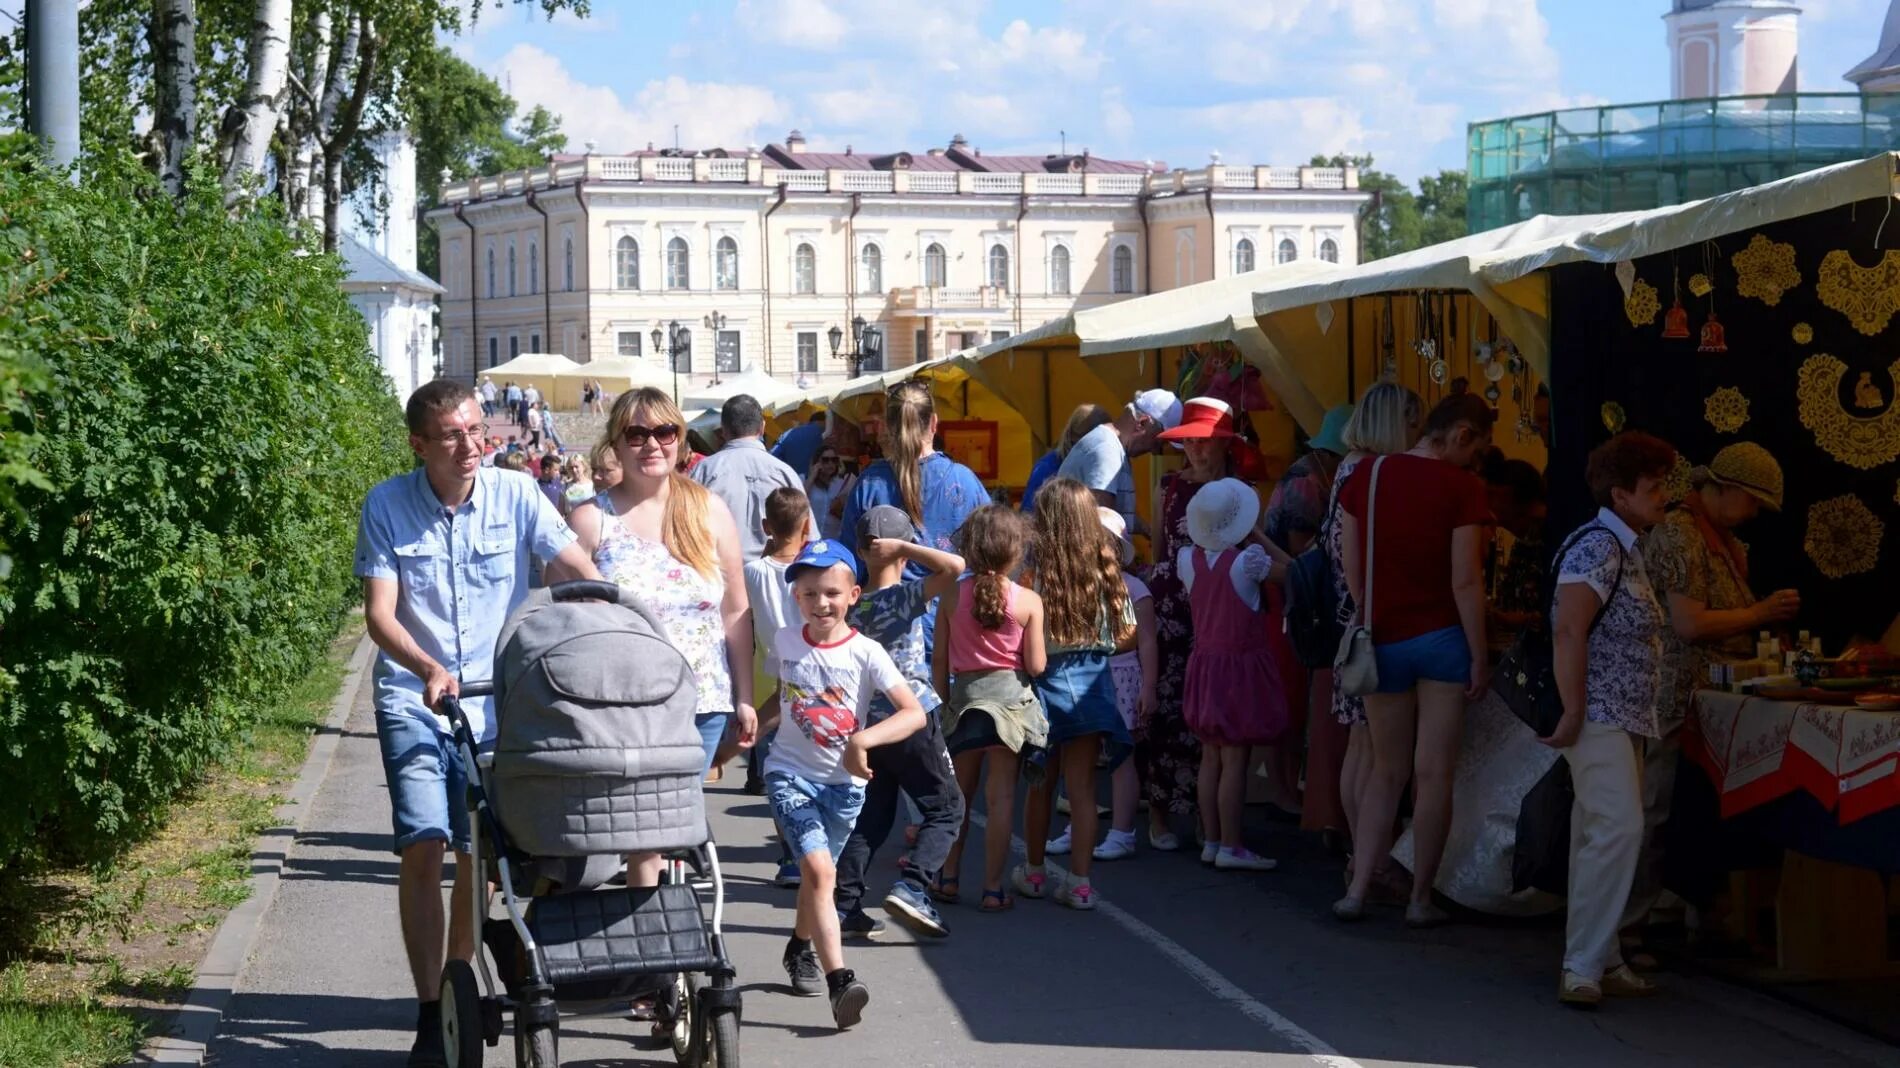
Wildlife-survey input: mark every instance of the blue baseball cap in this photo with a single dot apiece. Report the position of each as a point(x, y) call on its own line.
point(823, 553)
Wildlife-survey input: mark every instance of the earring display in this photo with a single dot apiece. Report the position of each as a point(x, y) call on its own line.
point(1641, 305)
point(1803, 333)
point(1726, 410)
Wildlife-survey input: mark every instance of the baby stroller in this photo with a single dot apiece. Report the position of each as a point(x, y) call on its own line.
point(595, 756)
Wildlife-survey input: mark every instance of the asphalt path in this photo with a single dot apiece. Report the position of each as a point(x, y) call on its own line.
point(1181, 966)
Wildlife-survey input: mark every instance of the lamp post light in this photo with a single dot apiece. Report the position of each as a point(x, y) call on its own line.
point(715, 323)
point(866, 342)
point(670, 343)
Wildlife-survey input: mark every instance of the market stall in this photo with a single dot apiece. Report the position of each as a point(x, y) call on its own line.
point(616, 375)
point(545, 371)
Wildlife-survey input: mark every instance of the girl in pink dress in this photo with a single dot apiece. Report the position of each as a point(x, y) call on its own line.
point(1234, 698)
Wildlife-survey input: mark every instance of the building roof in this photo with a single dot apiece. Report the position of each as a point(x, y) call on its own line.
point(365, 266)
point(959, 156)
point(1886, 58)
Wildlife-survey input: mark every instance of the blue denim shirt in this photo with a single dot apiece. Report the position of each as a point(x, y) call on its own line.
point(459, 573)
point(951, 492)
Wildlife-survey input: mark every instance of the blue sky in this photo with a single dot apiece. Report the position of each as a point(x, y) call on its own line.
point(1259, 81)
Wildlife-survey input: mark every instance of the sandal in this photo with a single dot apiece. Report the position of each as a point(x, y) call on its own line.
point(945, 888)
point(996, 901)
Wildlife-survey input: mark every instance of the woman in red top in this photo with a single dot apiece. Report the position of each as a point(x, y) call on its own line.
point(1427, 619)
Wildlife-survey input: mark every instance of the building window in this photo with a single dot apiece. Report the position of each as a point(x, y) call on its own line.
point(679, 272)
point(491, 273)
point(998, 335)
point(534, 342)
point(1288, 251)
point(1059, 270)
point(534, 269)
point(682, 352)
point(969, 339)
point(1122, 270)
point(511, 269)
point(999, 268)
point(514, 345)
point(627, 343)
point(936, 265)
point(804, 269)
point(923, 346)
point(1243, 255)
point(1329, 250)
point(807, 352)
point(871, 264)
point(567, 265)
point(1184, 266)
point(725, 264)
point(494, 351)
point(726, 352)
point(626, 264)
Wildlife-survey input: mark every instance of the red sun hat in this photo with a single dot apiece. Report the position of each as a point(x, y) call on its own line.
point(1202, 417)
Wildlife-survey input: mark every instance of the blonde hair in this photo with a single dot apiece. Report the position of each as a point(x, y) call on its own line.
point(1085, 418)
point(576, 466)
point(1386, 420)
point(908, 412)
point(601, 456)
point(686, 524)
point(1078, 572)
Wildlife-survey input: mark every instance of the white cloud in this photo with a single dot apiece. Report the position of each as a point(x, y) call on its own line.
point(709, 114)
point(808, 24)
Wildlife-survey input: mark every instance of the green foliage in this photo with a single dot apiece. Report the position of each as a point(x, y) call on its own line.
point(210, 422)
point(1401, 220)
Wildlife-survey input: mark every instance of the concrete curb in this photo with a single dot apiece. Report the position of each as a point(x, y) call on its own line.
point(191, 1029)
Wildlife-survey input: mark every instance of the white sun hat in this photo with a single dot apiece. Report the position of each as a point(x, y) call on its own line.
point(1117, 528)
point(1222, 514)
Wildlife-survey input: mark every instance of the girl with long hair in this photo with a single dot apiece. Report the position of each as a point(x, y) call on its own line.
point(1088, 617)
point(991, 644)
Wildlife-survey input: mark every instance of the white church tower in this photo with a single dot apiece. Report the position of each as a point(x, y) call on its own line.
point(1880, 72)
point(396, 301)
point(1732, 47)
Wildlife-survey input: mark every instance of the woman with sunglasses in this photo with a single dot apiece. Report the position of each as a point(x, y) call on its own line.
point(828, 487)
point(665, 536)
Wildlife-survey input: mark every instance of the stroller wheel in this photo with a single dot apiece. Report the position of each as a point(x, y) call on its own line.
point(461, 1015)
point(722, 1051)
point(537, 1047)
point(685, 1016)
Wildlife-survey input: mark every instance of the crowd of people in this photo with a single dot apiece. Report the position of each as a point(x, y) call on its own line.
point(891, 643)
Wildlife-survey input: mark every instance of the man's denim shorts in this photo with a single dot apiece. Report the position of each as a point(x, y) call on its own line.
point(427, 783)
point(812, 817)
point(1441, 656)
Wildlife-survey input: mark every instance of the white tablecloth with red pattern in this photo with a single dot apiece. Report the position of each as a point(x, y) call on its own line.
point(1756, 750)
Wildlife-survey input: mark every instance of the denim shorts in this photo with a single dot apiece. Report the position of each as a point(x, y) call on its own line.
point(1441, 656)
point(712, 730)
point(427, 783)
point(812, 817)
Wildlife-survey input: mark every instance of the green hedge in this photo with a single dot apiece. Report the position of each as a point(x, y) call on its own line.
point(210, 421)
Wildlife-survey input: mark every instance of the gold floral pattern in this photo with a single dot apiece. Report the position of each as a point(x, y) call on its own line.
point(1859, 441)
point(1677, 484)
point(1726, 410)
point(1700, 285)
point(1843, 537)
point(1642, 304)
point(1613, 417)
point(1868, 296)
point(1803, 333)
point(1765, 270)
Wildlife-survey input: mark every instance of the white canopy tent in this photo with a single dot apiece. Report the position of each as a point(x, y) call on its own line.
point(762, 387)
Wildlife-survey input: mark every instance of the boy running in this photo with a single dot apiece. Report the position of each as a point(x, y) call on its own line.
point(820, 761)
point(893, 616)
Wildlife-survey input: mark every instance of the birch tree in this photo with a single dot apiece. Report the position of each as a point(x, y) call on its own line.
point(252, 120)
point(175, 87)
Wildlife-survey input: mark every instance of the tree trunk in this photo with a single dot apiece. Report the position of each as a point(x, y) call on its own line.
point(174, 31)
point(254, 116)
point(310, 61)
point(345, 123)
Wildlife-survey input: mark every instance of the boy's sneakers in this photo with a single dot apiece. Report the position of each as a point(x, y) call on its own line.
point(1029, 883)
point(1118, 845)
point(1243, 859)
point(801, 967)
point(787, 876)
point(848, 997)
point(859, 924)
point(1077, 894)
point(911, 907)
point(1058, 846)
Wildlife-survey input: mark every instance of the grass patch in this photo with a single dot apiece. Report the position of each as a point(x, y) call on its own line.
point(112, 949)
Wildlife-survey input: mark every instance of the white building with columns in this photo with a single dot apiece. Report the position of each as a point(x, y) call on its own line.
point(756, 255)
point(397, 302)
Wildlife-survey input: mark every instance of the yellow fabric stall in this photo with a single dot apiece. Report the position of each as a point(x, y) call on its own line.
point(616, 375)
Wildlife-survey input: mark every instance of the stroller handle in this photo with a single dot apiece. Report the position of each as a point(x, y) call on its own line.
point(585, 590)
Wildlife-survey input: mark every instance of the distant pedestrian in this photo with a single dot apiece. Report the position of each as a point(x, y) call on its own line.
point(533, 423)
point(511, 398)
point(798, 445)
point(576, 483)
point(550, 481)
point(588, 392)
point(548, 427)
point(743, 473)
point(435, 599)
point(488, 397)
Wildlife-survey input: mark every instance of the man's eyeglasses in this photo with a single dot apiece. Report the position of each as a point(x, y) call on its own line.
point(476, 434)
point(637, 436)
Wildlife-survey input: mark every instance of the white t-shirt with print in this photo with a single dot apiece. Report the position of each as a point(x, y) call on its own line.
point(774, 607)
point(824, 698)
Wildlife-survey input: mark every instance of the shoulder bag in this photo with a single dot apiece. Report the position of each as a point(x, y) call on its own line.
point(1355, 667)
point(1527, 676)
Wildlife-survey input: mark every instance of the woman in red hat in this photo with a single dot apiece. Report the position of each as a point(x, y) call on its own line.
point(1167, 753)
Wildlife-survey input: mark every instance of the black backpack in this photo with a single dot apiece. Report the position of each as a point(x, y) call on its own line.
point(1312, 601)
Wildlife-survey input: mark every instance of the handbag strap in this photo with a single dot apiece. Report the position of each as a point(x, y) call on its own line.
point(1372, 515)
point(1622, 558)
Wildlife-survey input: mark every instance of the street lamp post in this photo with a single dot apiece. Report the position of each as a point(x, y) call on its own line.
point(865, 342)
point(670, 343)
point(715, 323)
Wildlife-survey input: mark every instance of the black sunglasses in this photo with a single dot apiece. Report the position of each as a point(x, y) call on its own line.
point(827, 459)
point(637, 436)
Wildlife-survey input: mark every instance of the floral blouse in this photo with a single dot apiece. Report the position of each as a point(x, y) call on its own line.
point(688, 604)
point(1622, 680)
